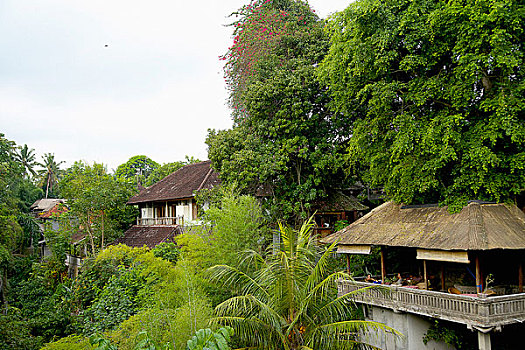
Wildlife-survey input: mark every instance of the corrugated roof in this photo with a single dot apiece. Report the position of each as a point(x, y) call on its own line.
point(479, 226)
point(150, 236)
point(182, 183)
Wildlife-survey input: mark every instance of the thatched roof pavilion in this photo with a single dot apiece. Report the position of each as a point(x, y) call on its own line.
point(477, 227)
point(435, 233)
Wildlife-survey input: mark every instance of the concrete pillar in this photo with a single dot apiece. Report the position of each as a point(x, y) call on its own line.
point(484, 341)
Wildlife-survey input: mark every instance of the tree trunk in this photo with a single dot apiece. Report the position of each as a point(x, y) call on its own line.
point(48, 180)
point(88, 229)
point(102, 242)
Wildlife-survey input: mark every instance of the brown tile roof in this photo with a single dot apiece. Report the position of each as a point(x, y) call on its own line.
point(150, 236)
point(182, 183)
point(479, 226)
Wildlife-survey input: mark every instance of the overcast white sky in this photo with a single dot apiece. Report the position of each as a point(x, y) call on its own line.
point(155, 89)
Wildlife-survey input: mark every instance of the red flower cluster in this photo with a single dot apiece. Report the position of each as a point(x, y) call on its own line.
point(257, 36)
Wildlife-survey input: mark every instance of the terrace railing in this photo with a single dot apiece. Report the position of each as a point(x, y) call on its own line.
point(481, 312)
point(164, 221)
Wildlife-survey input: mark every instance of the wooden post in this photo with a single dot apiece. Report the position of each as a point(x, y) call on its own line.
point(425, 274)
point(520, 279)
point(442, 277)
point(479, 284)
point(348, 263)
point(383, 265)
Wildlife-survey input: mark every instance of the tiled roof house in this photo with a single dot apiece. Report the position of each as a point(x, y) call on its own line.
point(168, 205)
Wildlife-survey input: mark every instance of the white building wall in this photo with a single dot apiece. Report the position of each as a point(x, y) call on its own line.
point(411, 326)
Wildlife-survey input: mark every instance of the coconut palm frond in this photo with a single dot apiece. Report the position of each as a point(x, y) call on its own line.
point(248, 306)
point(291, 301)
point(252, 258)
point(356, 326)
point(253, 331)
point(236, 278)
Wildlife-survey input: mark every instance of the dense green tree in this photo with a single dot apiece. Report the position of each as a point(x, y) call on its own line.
point(98, 201)
point(284, 137)
point(11, 173)
point(137, 168)
point(50, 174)
point(287, 300)
point(435, 93)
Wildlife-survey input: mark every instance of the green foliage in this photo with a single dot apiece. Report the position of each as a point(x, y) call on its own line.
point(284, 141)
point(435, 94)
point(97, 272)
point(72, 342)
point(15, 333)
point(341, 224)
point(97, 201)
point(440, 333)
point(236, 223)
point(137, 168)
point(116, 302)
point(167, 251)
point(26, 157)
point(173, 326)
point(101, 343)
point(39, 299)
point(288, 299)
point(129, 290)
point(206, 339)
point(49, 175)
point(16, 228)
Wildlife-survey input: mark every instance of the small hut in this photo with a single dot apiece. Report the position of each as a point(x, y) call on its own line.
point(336, 207)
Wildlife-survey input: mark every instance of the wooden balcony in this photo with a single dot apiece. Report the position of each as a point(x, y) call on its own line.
point(165, 221)
point(474, 311)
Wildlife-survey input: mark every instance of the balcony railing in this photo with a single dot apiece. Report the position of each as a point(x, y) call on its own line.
point(165, 221)
point(482, 312)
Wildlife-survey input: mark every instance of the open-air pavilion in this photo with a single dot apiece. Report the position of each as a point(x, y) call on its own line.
point(457, 255)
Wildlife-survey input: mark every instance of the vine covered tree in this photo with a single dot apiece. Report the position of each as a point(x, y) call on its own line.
point(284, 137)
point(435, 94)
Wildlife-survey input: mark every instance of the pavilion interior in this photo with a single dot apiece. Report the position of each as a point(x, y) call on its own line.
point(499, 270)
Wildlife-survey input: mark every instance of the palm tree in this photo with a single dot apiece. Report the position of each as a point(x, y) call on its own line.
point(288, 301)
point(51, 173)
point(26, 157)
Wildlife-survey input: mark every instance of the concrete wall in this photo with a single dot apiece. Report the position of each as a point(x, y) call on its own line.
point(413, 328)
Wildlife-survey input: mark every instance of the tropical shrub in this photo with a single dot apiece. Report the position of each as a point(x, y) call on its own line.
point(72, 342)
point(206, 339)
point(287, 300)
